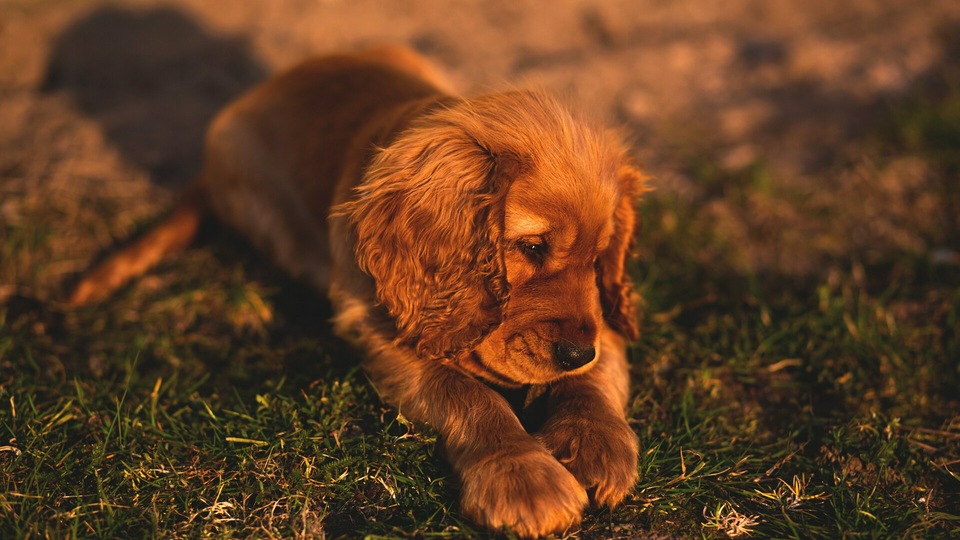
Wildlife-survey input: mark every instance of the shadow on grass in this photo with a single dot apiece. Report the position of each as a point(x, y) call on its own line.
point(810, 329)
point(153, 78)
point(217, 379)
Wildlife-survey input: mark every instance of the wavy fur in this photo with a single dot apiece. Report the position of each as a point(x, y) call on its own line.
point(469, 247)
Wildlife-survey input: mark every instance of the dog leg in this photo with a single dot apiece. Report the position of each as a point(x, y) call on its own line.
point(508, 478)
point(586, 429)
point(171, 235)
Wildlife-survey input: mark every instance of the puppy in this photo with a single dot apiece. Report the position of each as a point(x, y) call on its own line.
point(470, 247)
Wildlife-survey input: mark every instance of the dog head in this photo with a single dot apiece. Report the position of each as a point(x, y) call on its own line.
point(496, 230)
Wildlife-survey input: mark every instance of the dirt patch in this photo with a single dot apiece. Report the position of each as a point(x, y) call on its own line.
point(103, 105)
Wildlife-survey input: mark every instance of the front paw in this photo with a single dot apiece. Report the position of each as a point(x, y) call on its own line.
point(530, 493)
point(600, 452)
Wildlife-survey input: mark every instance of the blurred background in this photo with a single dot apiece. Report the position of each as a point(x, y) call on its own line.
point(798, 268)
point(788, 128)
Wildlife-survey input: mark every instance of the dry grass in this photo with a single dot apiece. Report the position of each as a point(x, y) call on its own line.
point(796, 376)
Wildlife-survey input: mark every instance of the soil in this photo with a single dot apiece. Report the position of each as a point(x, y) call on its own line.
point(103, 104)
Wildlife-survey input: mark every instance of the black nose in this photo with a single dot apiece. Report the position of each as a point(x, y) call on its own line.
point(571, 356)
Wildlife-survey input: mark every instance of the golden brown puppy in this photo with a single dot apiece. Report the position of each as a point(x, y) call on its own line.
point(469, 247)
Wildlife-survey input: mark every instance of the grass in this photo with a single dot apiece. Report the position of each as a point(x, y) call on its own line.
point(210, 400)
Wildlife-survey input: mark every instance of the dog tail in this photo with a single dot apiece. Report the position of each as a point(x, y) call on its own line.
point(171, 235)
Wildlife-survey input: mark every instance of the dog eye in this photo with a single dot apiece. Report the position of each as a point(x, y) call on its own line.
point(535, 250)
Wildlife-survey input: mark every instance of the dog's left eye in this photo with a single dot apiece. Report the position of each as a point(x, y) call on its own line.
point(535, 250)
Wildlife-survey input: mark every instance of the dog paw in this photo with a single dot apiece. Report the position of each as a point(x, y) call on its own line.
point(600, 453)
point(530, 494)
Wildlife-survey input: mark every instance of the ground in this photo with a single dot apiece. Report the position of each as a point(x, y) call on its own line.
point(798, 267)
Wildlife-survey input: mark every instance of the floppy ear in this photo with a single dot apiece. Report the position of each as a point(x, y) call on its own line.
point(615, 284)
point(428, 223)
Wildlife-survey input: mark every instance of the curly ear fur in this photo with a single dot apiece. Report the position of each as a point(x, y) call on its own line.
point(614, 281)
point(428, 219)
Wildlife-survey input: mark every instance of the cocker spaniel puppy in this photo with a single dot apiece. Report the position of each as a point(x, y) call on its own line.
point(472, 249)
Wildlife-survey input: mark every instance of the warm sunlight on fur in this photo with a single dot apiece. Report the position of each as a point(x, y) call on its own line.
point(468, 246)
